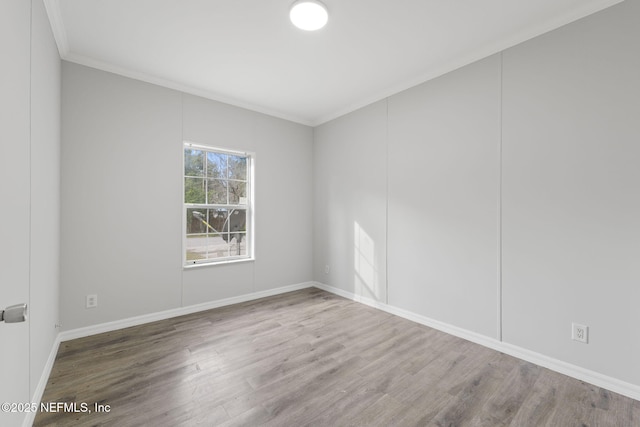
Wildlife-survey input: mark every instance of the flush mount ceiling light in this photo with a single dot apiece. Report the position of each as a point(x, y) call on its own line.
point(308, 15)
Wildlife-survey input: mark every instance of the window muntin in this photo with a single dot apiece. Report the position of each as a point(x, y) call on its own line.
point(217, 205)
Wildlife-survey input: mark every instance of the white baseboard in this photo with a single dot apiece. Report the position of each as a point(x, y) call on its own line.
point(42, 383)
point(574, 371)
point(592, 377)
point(139, 320)
point(167, 314)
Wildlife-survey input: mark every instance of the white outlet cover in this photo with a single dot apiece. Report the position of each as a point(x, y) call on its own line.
point(580, 333)
point(92, 301)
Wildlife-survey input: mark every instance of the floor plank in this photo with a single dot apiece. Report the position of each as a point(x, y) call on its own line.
point(310, 358)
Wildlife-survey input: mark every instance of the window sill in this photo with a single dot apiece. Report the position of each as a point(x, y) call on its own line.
point(213, 264)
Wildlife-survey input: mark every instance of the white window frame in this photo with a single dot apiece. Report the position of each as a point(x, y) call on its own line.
point(249, 207)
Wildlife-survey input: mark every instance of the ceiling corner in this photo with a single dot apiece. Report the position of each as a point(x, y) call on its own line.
point(57, 26)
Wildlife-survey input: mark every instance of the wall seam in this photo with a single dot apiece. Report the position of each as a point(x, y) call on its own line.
point(386, 216)
point(30, 185)
point(252, 184)
point(182, 224)
point(500, 203)
point(314, 275)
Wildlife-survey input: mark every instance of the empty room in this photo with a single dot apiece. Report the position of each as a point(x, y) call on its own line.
point(320, 213)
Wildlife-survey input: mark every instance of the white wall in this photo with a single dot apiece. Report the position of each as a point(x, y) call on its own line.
point(444, 146)
point(120, 187)
point(29, 190)
point(563, 109)
point(45, 191)
point(571, 195)
point(122, 198)
point(350, 207)
point(283, 192)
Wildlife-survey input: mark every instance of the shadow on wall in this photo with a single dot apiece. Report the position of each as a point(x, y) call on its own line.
point(366, 280)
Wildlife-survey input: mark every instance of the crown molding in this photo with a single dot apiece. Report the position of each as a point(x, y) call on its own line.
point(516, 38)
point(60, 35)
point(181, 87)
point(57, 26)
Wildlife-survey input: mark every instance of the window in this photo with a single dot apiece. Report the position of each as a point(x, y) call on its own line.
point(217, 205)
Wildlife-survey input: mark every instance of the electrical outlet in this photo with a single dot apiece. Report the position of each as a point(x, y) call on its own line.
point(580, 333)
point(92, 301)
point(327, 269)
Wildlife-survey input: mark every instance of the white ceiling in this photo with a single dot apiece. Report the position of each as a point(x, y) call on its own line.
point(247, 53)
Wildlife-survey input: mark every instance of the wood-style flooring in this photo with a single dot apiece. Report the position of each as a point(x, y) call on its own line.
point(310, 358)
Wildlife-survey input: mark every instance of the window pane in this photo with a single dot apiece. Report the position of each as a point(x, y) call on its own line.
point(196, 221)
point(237, 244)
point(237, 220)
point(238, 168)
point(237, 193)
point(231, 237)
point(217, 191)
point(216, 247)
point(193, 162)
point(216, 165)
point(194, 191)
point(196, 247)
point(214, 179)
point(218, 221)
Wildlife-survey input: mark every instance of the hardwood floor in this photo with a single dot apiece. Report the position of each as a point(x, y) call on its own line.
point(310, 358)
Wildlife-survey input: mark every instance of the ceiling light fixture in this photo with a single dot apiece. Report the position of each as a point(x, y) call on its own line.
point(308, 15)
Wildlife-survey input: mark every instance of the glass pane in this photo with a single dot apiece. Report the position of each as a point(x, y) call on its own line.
point(215, 179)
point(237, 193)
point(217, 191)
point(216, 165)
point(216, 233)
point(238, 168)
point(237, 220)
point(218, 221)
point(194, 191)
point(193, 162)
point(217, 247)
point(196, 247)
point(237, 244)
point(196, 221)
